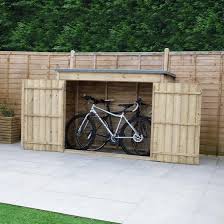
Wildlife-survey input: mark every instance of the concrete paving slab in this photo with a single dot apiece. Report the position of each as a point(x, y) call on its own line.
point(120, 190)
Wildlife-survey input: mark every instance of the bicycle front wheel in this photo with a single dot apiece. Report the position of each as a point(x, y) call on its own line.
point(80, 134)
point(143, 126)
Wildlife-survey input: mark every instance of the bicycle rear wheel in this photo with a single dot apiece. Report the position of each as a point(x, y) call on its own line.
point(143, 127)
point(100, 136)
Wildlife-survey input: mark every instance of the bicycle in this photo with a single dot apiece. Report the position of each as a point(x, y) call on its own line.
point(133, 136)
point(75, 121)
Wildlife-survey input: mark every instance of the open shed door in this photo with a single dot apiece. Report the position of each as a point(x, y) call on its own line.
point(43, 116)
point(176, 118)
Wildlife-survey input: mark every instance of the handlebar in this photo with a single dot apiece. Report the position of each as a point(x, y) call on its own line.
point(140, 102)
point(137, 103)
point(96, 101)
point(136, 107)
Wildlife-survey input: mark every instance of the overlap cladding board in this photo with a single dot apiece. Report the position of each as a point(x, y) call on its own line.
point(43, 115)
point(176, 122)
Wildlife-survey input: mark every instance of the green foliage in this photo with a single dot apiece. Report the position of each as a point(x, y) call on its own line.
point(111, 25)
point(6, 111)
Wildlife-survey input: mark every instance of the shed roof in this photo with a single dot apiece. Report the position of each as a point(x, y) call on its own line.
point(126, 71)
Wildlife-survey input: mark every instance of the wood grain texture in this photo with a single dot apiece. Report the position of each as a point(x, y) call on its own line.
point(204, 68)
point(43, 114)
point(176, 123)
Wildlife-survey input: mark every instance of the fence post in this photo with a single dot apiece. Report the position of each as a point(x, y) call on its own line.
point(72, 59)
point(166, 59)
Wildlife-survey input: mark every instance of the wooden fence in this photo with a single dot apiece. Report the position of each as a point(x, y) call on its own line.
point(205, 68)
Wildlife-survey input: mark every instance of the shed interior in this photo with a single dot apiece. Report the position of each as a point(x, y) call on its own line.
point(118, 92)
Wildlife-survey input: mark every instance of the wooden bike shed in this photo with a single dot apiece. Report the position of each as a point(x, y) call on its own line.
point(175, 112)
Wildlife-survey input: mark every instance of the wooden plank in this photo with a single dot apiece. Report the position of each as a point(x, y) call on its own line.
point(62, 115)
point(48, 110)
point(169, 119)
point(172, 141)
point(176, 121)
point(55, 108)
point(192, 111)
point(30, 122)
point(103, 58)
point(36, 110)
point(18, 59)
point(18, 66)
point(110, 77)
point(42, 111)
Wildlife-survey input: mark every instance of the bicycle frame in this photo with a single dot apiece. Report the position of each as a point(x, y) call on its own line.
point(121, 116)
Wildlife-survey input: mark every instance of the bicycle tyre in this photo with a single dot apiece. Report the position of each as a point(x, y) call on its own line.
point(68, 139)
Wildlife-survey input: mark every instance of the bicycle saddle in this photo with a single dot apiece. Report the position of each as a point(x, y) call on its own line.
point(96, 101)
point(126, 105)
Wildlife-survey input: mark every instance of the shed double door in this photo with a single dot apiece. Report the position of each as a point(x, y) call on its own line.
point(43, 116)
point(175, 129)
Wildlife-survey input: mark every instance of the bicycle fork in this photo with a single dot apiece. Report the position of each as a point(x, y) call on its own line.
point(84, 125)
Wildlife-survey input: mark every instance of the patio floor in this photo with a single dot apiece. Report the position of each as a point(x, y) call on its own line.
point(120, 190)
